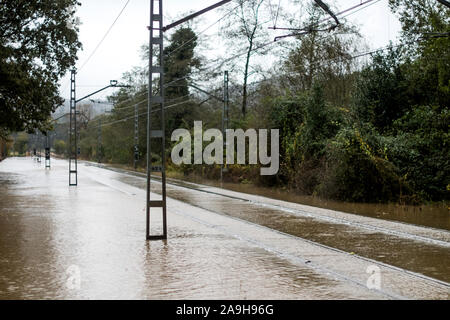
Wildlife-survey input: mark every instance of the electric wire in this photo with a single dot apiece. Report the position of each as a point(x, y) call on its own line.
point(311, 27)
point(127, 117)
point(146, 113)
point(370, 2)
point(202, 32)
point(100, 43)
point(104, 37)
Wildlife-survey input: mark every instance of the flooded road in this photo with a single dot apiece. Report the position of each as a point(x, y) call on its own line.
point(89, 242)
point(422, 250)
point(434, 216)
point(405, 252)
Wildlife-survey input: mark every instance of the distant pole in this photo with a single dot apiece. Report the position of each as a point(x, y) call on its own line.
point(136, 136)
point(39, 143)
point(14, 144)
point(47, 151)
point(225, 120)
point(34, 151)
point(99, 141)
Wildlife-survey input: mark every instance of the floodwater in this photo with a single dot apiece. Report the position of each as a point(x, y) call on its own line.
point(425, 258)
point(434, 216)
point(88, 242)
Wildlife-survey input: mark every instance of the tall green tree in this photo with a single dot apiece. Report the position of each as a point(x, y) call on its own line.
point(38, 44)
point(381, 94)
point(179, 62)
point(425, 38)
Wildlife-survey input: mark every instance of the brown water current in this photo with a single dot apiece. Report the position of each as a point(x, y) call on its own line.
point(434, 216)
point(425, 258)
point(88, 242)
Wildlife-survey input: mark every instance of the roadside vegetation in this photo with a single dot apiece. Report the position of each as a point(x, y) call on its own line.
point(353, 126)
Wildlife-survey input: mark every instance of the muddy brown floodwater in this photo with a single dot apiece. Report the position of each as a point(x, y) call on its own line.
point(434, 216)
point(58, 242)
point(425, 258)
point(51, 235)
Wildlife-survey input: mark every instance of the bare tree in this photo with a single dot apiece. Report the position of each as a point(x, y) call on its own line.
point(246, 28)
point(85, 114)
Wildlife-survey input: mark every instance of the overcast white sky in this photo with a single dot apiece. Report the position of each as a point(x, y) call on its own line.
point(121, 49)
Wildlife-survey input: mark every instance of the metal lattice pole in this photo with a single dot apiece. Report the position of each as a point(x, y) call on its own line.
point(136, 136)
point(73, 134)
point(156, 69)
point(34, 150)
point(47, 151)
point(39, 147)
point(225, 120)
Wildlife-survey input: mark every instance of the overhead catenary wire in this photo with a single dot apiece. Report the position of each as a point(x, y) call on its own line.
point(278, 13)
point(202, 32)
point(263, 45)
point(104, 37)
point(311, 27)
point(244, 51)
point(100, 43)
point(176, 49)
point(355, 56)
point(358, 55)
point(236, 55)
point(146, 113)
point(274, 16)
point(223, 17)
point(193, 38)
point(127, 117)
point(260, 46)
point(146, 100)
point(367, 4)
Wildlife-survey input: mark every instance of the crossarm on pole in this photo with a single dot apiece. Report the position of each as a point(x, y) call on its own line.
point(194, 15)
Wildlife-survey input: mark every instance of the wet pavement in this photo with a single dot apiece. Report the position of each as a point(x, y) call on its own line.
point(88, 242)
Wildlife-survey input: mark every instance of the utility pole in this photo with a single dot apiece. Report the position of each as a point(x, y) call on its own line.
point(156, 72)
point(40, 143)
point(99, 141)
point(99, 130)
point(47, 151)
point(225, 121)
point(14, 144)
point(33, 145)
point(136, 136)
point(74, 150)
point(73, 134)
